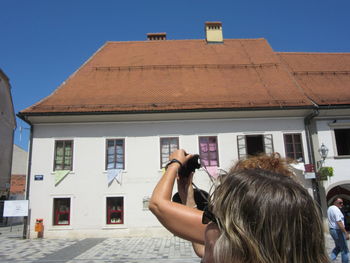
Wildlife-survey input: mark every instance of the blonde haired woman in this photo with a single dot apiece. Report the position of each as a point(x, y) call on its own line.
point(254, 215)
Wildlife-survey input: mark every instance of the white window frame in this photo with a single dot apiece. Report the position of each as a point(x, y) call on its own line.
point(333, 127)
point(160, 146)
point(105, 152)
point(54, 153)
point(71, 213)
point(104, 211)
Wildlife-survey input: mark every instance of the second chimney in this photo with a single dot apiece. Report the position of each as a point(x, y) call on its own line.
point(213, 32)
point(156, 36)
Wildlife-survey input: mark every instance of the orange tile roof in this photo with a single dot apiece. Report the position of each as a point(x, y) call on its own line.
point(325, 77)
point(172, 75)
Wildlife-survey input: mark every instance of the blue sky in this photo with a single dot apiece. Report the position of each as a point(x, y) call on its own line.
point(42, 42)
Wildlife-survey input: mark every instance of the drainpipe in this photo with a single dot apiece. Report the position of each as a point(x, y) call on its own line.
point(311, 153)
point(26, 219)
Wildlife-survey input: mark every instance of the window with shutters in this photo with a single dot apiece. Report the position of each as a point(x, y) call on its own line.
point(167, 147)
point(255, 144)
point(208, 151)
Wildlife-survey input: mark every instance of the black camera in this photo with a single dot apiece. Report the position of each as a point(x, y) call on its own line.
point(190, 166)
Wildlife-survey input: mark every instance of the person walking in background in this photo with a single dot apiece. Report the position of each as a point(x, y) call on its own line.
point(338, 231)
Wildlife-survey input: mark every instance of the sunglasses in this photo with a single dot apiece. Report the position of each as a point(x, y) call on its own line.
point(340, 203)
point(208, 217)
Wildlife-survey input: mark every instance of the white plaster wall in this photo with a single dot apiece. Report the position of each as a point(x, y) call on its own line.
point(7, 127)
point(19, 160)
point(341, 166)
point(87, 185)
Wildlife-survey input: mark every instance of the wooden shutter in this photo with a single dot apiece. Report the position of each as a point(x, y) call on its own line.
point(268, 143)
point(241, 146)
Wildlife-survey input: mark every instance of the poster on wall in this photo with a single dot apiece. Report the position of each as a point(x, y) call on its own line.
point(15, 208)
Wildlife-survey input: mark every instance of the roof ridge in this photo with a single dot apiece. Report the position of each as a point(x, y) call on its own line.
point(314, 53)
point(179, 40)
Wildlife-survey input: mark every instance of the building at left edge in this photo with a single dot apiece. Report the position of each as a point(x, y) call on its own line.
point(7, 129)
point(100, 140)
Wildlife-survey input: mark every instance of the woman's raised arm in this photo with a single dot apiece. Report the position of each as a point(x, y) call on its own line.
point(181, 220)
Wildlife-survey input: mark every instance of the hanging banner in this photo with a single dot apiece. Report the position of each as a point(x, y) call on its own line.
point(60, 175)
point(114, 174)
point(213, 171)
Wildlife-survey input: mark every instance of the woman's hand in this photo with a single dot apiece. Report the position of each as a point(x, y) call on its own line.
point(181, 156)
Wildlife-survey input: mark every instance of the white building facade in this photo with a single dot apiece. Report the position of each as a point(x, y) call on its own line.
point(85, 190)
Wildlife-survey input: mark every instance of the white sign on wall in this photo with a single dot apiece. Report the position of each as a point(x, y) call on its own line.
point(15, 208)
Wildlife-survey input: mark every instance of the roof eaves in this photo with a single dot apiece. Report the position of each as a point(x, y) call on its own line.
point(22, 115)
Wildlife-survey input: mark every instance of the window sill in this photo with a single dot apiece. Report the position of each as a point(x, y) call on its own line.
point(70, 172)
point(116, 226)
point(106, 171)
point(54, 228)
point(342, 157)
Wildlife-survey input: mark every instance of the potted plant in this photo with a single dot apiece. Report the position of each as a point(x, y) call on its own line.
point(325, 172)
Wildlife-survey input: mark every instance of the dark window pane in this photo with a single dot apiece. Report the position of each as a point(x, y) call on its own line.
point(255, 144)
point(298, 148)
point(115, 210)
point(293, 146)
point(288, 138)
point(297, 138)
point(61, 211)
point(289, 148)
point(342, 137)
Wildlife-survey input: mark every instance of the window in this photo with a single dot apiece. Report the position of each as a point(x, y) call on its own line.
point(63, 155)
point(61, 208)
point(115, 154)
point(342, 138)
point(208, 151)
point(294, 146)
point(115, 210)
point(167, 146)
point(250, 145)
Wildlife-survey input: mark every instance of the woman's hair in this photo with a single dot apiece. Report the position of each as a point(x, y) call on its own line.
point(273, 163)
point(265, 216)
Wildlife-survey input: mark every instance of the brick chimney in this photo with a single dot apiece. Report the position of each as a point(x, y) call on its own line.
point(213, 32)
point(156, 36)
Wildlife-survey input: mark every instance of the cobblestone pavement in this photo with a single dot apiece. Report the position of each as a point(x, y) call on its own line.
point(98, 250)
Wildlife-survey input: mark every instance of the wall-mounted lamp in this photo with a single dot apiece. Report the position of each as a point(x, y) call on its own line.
point(323, 151)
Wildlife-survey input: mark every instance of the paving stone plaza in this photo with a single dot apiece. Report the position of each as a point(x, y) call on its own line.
point(97, 250)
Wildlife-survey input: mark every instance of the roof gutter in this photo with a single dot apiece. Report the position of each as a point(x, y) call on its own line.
point(23, 116)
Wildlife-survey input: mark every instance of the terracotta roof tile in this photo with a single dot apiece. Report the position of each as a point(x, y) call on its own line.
point(325, 77)
point(191, 74)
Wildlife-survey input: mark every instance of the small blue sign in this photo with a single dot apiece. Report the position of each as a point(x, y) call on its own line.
point(38, 177)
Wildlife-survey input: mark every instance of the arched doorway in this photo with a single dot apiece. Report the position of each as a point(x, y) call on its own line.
point(342, 191)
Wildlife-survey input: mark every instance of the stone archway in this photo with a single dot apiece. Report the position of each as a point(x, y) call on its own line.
point(342, 191)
